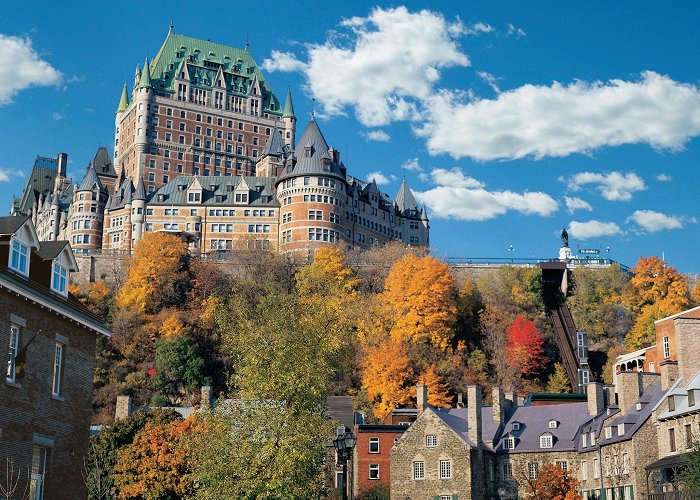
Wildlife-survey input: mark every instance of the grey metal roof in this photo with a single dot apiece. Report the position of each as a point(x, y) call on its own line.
point(340, 408)
point(680, 393)
point(91, 180)
point(262, 190)
point(49, 250)
point(140, 192)
point(103, 163)
point(405, 199)
point(274, 145)
point(310, 152)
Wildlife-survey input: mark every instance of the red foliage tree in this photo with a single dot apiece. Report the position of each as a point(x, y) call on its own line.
point(524, 346)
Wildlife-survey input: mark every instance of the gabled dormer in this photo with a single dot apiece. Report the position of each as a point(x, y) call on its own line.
point(195, 192)
point(242, 192)
point(18, 237)
point(54, 261)
point(547, 440)
point(219, 79)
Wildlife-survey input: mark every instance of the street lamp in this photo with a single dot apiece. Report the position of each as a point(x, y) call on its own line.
point(344, 444)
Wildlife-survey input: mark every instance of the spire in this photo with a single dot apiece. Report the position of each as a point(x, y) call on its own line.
point(404, 198)
point(288, 106)
point(247, 47)
point(171, 30)
point(124, 101)
point(140, 193)
point(145, 81)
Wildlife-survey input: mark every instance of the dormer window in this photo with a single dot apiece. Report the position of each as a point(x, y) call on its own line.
point(553, 424)
point(194, 197)
point(691, 397)
point(509, 443)
point(516, 426)
point(584, 440)
point(608, 432)
point(546, 441)
point(671, 404)
point(19, 257)
point(59, 279)
point(639, 406)
point(592, 438)
point(620, 429)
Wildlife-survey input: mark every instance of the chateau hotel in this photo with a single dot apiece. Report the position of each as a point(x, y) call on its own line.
point(203, 149)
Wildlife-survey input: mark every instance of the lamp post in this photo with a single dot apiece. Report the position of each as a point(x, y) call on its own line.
point(344, 444)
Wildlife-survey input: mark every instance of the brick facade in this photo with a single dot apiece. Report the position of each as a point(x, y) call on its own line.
point(372, 455)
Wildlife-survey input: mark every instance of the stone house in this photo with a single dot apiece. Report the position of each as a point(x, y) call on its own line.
point(45, 399)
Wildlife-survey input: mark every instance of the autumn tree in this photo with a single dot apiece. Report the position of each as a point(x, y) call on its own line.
point(494, 325)
point(438, 390)
point(155, 465)
point(524, 347)
point(157, 276)
point(655, 291)
point(552, 483)
point(419, 296)
point(372, 265)
point(558, 381)
point(387, 376)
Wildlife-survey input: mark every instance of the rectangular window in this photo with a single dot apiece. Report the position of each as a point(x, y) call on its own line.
point(584, 470)
point(533, 469)
point(596, 468)
point(12, 358)
point(374, 445)
point(431, 441)
point(562, 464)
point(374, 471)
point(507, 471)
point(419, 470)
point(36, 481)
point(667, 348)
point(59, 281)
point(688, 436)
point(509, 443)
point(672, 439)
point(445, 469)
point(546, 441)
point(57, 369)
point(19, 257)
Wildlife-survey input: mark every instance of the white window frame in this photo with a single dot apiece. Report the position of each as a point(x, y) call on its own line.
point(563, 465)
point(431, 441)
point(38, 472)
point(507, 471)
point(553, 424)
point(516, 426)
point(445, 469)
point(584, 470)
point(374, 468)
point(19, 254)
point(12, 353)
point(418, 470)
point(621, 429)
point(596, 468)
point(373, 441)
point(546, 441)
point(667, 348)
point(533, 468)
point(509, 443)
point(608, 432)
point(584, 440)
point(57, 380)
point(59, 279)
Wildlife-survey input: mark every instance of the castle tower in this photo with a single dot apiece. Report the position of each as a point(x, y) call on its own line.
point(87, 213)
point(138, 212)
point(142, 104)
point(413, 220)
point(311, 193)
point(289, 120)
point(273, 156)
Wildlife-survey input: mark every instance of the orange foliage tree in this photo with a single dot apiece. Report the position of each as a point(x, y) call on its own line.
point(419, 296)
point(553, 483)
point(524, 346)
point(387, 376)
point(154, 465)
point(156, 274)
point(655, 291)
point(438, 390)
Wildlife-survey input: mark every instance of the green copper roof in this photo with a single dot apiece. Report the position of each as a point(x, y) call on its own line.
point(124, 101)
point(288, 106)
point(203, 60)
point(145, 81)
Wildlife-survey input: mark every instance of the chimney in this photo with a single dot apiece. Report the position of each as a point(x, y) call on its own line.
point(460, 400)
point(669, 373)
point(629, 387)
point(596, 398)
point(205, 400)
point(687, 333)
point(123, 408)
point(474, 414)
point(421, 398)
point(499, 405)
point(62, 164)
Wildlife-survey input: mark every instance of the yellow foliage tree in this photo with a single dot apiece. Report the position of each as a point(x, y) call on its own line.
point(655, 291)
point(438, 390)
point(172, 325)
point(387, 376)
point(326, 275)
point(157, 270)
point(419, 297)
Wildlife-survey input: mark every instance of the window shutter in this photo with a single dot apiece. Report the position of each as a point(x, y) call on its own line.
point(436, 497)
point(454, 497)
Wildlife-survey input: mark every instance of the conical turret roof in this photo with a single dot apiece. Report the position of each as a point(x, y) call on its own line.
point(91, 180)
point(145, 81)
point(405, 199)
point(288, 106)
point(140, 192)
point(274, 145)
point(124, 101)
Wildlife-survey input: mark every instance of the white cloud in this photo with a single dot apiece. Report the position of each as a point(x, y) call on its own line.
point(512, 30)
point(380, 178)
point(454, 178)
point(386, 65)
point(479, 204)
point(613, 186)
point(490, 80)
point(593, 229)
point(6, 174)
point(558, 120)
point(664, 178)
point(377, 135)
point(478, 28)
point(652, 221)
point(412, 164)
point(21, 67)
point(57, 116)
point(573, 204)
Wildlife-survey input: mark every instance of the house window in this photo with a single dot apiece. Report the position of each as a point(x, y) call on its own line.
point(19, 257)
point(672, 439)
point(691, 397)
point(553, 424)
point(608, 432)
point(592, 438)
point(596, 468)
point(584, 470)
point(563, 465)
point(57, 369)
point(36, 481)
point(667, 348)
point(419, 470)
point(374, 445)
point(620, 428)
point(507, 471)
point(191, 197)
point(516, 426)
point(671, 403)
point(688, 436)
point(12, 358)
point(431, 441)
point(509, 443)
point(445, 469)
point(59, 281)
point(584, 440)
point(374, 471)
point(625, 464)
point(546, 441)
point(532, 469)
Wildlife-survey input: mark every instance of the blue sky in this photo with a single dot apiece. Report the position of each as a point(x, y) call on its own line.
point(510, 120)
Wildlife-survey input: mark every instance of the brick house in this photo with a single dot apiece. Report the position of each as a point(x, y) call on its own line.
point(45, 400)
point(372, 454)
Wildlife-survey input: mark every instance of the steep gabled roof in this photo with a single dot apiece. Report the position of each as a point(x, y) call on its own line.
point(274, 145)
point(405, 199)
point(312, 155)
point(91, 181)
point(10, 224)
point(103, 163)
point(288, 106)
point(41, 180)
